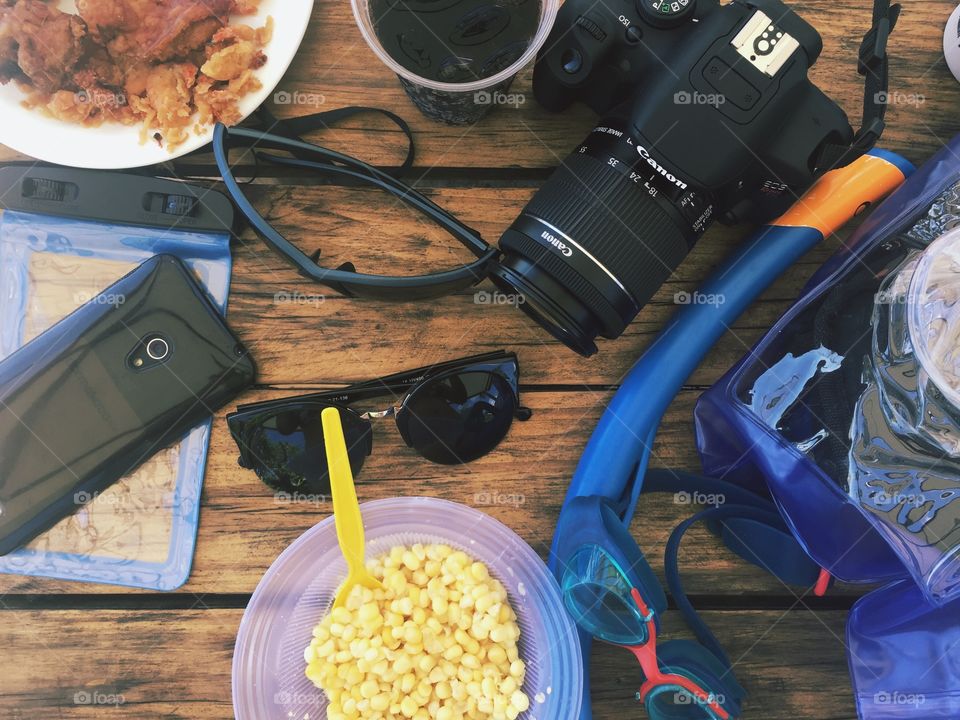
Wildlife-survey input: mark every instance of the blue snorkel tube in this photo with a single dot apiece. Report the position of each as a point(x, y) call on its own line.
point(614, 463)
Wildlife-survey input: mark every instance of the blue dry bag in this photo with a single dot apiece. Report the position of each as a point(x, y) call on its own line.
point(848, 413)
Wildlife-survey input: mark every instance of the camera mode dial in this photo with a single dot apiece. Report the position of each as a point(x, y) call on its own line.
point(666, 13)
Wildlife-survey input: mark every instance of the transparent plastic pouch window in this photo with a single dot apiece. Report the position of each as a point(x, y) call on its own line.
point(141, 531)
point(862, 385)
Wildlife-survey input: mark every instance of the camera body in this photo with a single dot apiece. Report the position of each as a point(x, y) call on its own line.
point(686, 86)
point(707, 114)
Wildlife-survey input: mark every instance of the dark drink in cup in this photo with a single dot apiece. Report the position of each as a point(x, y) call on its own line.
point(456, 58)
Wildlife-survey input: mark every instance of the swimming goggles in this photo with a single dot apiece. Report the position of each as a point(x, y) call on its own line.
point(614, 596)
point(450, 413)
point(294, 152)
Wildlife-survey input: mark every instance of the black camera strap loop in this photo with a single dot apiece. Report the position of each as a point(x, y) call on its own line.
point(295, 127)
point(874, 64)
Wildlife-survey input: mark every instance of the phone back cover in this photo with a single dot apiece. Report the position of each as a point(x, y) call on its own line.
point(76, 414)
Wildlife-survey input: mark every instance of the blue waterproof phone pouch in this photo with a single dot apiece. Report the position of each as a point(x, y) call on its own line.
point(65, 236)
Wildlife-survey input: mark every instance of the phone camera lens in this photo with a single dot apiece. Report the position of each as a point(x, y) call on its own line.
point(158, 349)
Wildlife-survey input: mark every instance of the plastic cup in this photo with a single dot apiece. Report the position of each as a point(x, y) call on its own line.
point(458, 103)
point(298, 590)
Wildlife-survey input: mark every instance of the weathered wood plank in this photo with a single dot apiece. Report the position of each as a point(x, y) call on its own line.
point(176, 665)
point(303, 332)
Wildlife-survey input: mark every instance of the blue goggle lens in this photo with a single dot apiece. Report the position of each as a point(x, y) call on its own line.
point(671, 702)
point(596, 592)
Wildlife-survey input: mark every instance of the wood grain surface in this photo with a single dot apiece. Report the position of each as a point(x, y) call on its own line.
point(129, 664)
point(168, 655)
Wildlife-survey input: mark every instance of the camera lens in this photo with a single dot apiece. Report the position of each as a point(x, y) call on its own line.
point(158, 348)
point(600, 237)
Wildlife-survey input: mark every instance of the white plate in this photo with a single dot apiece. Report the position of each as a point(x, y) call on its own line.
point(113, 145)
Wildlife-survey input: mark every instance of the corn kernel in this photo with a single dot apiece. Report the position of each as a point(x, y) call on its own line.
point(408, 707)
point(520, 701)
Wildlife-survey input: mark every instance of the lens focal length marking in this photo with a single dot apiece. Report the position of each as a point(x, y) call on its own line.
point(631, 158)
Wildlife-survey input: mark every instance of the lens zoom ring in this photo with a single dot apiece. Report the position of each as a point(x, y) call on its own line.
point(615, 220)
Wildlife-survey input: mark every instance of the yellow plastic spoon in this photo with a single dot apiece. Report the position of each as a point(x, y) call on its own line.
point(346, 509)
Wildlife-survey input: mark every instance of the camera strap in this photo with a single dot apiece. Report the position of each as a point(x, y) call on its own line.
point(295, 127)
point(873, 64)
point(286, 150)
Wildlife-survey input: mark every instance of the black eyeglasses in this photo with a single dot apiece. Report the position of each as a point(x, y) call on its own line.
point(450, 413)
point(346, 279)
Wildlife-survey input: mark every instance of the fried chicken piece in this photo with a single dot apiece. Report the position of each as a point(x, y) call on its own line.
point(246, 7)
point(232, 61)
point(154, 30)
point(98, 68)
point(9, 68)
point(89, 107)
point(48, 44)
point(170, 65)
point(167, 100)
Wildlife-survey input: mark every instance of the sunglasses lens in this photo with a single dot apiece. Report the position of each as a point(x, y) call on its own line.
point(287, 451)
point(671, 702)
point(597, 595)
point(457, 418)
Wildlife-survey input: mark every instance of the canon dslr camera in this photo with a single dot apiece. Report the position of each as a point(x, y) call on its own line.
point(707, 113)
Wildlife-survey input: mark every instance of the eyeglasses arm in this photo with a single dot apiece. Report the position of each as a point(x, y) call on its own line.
point(469, 237)
point(338, 396)
point(396, 384)
point(346, 279)
point(411, 377)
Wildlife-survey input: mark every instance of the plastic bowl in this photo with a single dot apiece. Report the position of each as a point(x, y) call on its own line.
point(298, 589)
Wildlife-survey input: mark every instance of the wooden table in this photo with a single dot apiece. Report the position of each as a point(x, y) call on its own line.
point(169, 655)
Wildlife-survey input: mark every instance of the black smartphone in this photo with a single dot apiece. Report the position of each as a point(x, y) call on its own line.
point(124, 376)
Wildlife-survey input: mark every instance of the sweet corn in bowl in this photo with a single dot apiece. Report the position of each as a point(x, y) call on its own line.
point(439, 641)
point(530, 647)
